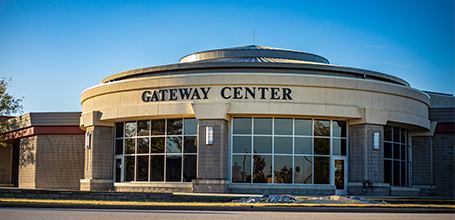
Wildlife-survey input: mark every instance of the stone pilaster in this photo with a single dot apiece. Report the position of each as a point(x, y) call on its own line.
point(212, 165)
point(98, 168)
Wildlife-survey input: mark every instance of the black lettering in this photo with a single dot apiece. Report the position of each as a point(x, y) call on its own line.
point(252, 93)
point(287, 94)
point(184, 93)
point(237, 91)
point(163, 93)
point(263, 91)
point(224, 95)
point(205, 92)
point(196, 93)
point(155, 96)
point(145, 96)
point(274, 93)
point(172, 95)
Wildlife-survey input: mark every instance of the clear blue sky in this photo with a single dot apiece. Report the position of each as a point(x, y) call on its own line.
point(53, 50)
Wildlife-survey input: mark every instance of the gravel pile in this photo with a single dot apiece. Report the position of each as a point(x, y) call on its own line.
point(367, 201)
point(268, 199)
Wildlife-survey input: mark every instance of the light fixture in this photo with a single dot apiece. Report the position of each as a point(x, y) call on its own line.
point(87, 140)
point(208, 135)
point(376, 140)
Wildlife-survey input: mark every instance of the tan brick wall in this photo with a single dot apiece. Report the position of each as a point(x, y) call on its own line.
point(59, 161)
point(6, 160)
point(27, 162)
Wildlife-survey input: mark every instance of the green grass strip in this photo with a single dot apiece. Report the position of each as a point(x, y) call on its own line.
point(225, 204)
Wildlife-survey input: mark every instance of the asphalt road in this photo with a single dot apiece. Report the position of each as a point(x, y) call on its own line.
point(100, 214)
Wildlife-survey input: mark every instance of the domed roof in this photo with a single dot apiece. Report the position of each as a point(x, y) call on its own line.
point(254, 53)
point(255, 60)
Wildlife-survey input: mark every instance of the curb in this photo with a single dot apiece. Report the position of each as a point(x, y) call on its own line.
point(228, 208)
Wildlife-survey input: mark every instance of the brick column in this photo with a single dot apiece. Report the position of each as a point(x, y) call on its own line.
point(99, 159)
point(444, 164)
point(366, 165)
point(422, 164)
point(212, 165)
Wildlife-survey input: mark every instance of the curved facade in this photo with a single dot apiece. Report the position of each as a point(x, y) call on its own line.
point(252, 119)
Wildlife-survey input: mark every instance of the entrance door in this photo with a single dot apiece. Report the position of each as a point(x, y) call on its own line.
point(118, 170)
point(340, 176)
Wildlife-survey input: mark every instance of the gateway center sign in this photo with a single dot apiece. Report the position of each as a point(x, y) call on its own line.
point(272, 93)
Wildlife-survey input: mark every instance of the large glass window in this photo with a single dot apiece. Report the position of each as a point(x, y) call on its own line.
point(157, 150)
point(396, 158)
point(285, 150)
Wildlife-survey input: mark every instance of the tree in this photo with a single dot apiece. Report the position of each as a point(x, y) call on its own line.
point(8, 105)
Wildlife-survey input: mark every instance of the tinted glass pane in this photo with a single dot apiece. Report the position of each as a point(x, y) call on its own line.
point(321, 128)
point(303, 169)
point(190, 126)
point(403, 135)
point(157, 145)
point(396, 173)
point(303, 127)
point(387, 133)
point(142, 145)
point(283, 169)
point(283, 145)
point(322, 146)
point(403, 152)
point(303, 145)
point(241, 170)
point(189, 168)
point(262, 145)
point(321, 170)
point(262, 169)
point(174, 145)
point(118, 147)
point(242, 144)
point(174, 168)
point(143, 128)
point(283, 126)
point(129, 168)
point(262, 126)
point(339, 128)
point(142, 165)
point(129, 146)
point(396, 151)
point(119, 130)
point(130, 128)
point(242, 126)
point(396, 134)
point(339, 147)
point(190, 144)
point(156, 168)
point(387, 150)
point(158, 127)
point(388, 171)
point(403, 174)
point(174, 126)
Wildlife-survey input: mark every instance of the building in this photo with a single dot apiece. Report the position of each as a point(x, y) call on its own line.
point(257, 119)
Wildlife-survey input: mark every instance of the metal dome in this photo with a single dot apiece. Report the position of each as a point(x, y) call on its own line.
point(254, 53)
